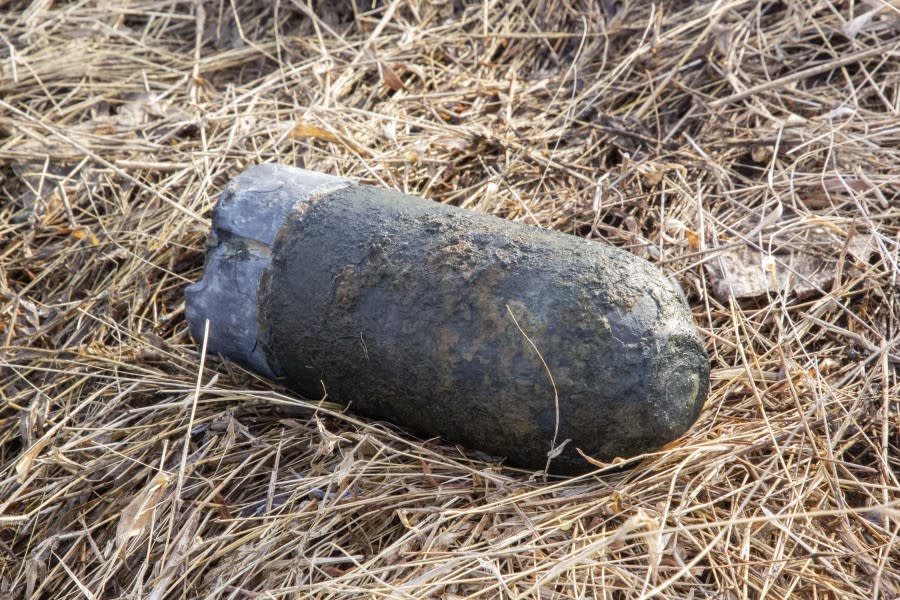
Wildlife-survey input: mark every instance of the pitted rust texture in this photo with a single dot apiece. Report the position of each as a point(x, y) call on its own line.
point(400, 307)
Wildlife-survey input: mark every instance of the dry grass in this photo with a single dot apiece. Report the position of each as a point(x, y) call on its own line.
point(677, 130)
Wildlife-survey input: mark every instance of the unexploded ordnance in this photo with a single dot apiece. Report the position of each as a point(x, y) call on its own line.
point(509, 339)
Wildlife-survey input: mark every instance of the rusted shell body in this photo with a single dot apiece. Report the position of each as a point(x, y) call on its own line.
point(502, 337)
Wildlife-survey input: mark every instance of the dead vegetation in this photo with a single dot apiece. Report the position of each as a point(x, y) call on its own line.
point(750, 148)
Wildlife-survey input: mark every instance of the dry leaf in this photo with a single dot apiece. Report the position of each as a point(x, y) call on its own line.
point(303, 131)
point(390, 78)
point(744, 272)
point(178, 557)
point(82, 233)
point(414, 69)
point(23, 465)
point(641, 519)
point(693, 239)
point(887, 18)
point(137, 514)
point(652, 172)
point(35, 570)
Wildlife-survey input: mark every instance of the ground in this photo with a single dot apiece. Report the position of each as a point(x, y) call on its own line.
point(748, 148)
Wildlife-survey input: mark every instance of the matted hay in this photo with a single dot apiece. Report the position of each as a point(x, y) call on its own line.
point(686, 132)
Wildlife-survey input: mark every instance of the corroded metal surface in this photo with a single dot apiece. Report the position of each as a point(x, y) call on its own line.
point(505, 338)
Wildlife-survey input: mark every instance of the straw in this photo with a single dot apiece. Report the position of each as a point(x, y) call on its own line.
point(130, 466)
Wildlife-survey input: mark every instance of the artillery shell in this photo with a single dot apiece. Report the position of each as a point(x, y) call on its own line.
point(509, 339)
